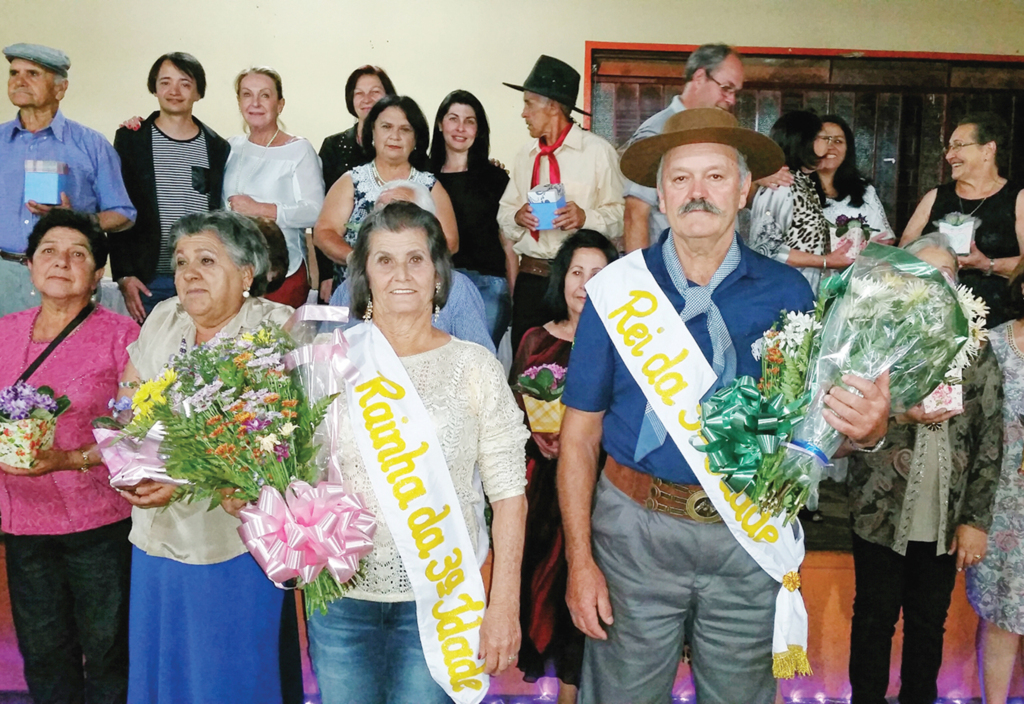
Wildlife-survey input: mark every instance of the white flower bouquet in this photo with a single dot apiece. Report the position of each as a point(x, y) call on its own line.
point(889, 310)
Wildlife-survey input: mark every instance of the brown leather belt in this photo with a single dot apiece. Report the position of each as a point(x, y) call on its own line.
point(687, 501)
point(16, 257)
point(532, 265)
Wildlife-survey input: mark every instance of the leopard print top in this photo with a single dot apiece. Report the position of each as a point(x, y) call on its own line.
point(808, 231)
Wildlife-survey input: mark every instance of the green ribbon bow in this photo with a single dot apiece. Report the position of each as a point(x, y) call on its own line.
point(742, 427)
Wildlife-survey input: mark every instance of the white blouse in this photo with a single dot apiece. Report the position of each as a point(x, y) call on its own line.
point(477, 422)
point(872, 210)
point(288, 176)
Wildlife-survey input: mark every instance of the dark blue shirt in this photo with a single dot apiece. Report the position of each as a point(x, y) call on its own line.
point(751, 299)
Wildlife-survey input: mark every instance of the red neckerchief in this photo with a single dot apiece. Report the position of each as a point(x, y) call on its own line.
point(554, 175)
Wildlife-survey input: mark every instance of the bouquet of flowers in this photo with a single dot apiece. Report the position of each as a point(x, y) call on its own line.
point(746, 425)
point(28, 419)
point(949, 395)
point(541, 387)
point(889, 310)
point(232, 417)
point(959, 229)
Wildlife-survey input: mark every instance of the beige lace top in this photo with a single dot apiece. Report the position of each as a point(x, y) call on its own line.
point(477, 422)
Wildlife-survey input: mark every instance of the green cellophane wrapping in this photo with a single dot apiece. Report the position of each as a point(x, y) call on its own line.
point(889, 310)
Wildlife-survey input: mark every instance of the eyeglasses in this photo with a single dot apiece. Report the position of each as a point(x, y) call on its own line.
point(829, 139)
point(957, 146)
point(727, 89)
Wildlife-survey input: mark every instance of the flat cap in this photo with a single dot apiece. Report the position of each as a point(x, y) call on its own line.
point(53, 59)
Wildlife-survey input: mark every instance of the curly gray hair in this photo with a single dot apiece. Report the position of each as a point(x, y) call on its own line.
point(240, 236)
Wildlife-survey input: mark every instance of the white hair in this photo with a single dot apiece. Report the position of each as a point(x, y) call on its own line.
point(420, 193)
point(741, 161)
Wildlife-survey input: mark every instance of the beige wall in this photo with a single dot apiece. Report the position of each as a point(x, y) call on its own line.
point(430, 47)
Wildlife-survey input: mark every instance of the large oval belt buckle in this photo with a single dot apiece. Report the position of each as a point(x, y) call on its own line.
point(700, 508)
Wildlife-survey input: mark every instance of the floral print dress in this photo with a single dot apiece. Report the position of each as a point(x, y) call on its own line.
point(995, 587)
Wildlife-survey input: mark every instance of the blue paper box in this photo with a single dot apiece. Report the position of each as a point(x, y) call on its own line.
point(545, 212)
point(45, 181)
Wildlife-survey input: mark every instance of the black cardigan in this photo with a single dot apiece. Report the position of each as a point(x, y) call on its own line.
point(135, 251)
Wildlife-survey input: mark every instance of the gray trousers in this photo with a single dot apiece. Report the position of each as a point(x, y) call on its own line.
point(16, 292)
point(670, 579)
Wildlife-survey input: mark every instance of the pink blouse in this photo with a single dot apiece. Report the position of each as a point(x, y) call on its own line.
point(86, 367)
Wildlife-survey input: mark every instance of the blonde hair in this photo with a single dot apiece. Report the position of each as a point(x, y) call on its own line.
point(263, 71)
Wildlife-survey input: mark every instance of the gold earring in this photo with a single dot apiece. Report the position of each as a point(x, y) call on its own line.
point(368, 314)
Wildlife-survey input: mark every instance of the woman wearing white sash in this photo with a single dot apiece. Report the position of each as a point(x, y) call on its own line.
point(367, 648)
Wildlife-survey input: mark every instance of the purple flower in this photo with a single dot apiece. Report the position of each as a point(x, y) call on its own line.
point(281, 450)
point(255, 425)
point(842, 220)
point(122, 404)
point(19, 400)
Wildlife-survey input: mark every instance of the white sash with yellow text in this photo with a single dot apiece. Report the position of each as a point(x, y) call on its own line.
point(668, 365)
point(410, 478)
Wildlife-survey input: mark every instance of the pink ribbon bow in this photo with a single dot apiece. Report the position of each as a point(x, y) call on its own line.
point(313, 529)
point(131, 461)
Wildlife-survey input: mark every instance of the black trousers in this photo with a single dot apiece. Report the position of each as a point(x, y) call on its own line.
point(69, 599)
point(528, 307)
point(921, 584)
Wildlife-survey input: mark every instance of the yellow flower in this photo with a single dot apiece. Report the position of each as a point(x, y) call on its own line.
point(151, 393)
point(263, 337)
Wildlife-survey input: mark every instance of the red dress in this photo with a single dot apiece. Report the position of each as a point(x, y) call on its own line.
point(549, 636)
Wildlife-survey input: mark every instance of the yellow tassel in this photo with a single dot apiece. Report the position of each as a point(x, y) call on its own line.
point(791, 663)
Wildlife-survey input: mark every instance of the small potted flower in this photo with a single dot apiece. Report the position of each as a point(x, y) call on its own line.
point(541, 387)
point(28, 417)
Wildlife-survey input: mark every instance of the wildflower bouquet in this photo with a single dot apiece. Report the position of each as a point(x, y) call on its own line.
point(541, 387)
point(233, 418)
point(28, 419)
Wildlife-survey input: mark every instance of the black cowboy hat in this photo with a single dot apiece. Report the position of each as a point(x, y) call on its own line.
point(553, 79)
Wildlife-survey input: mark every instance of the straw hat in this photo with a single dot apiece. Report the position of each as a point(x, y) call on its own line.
point(700, 126)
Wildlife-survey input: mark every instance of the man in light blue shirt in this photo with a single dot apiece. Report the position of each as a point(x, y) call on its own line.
point(714, 74)
point(36, 85)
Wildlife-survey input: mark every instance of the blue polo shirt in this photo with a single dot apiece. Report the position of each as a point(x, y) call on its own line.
point(94, 174)
point(751, 299)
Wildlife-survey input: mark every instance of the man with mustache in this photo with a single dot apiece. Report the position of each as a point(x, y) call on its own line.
point(561, 152)
point(36, 84)
point(657, 550)
point(714, 74)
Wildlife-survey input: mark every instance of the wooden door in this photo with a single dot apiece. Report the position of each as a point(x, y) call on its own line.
point(901, 110)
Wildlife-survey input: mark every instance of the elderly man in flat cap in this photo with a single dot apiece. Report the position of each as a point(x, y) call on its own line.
point(660, 551)
point(561, 152)
point(40, 132)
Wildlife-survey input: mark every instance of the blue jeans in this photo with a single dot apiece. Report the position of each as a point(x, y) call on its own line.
point(497, 302)
point(69, 599)
point(162, 288)
point(367, 652)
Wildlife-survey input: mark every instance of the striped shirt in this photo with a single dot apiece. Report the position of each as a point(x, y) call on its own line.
point(173, 164)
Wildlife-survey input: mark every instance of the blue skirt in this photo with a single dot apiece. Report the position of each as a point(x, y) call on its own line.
point(202, 634)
